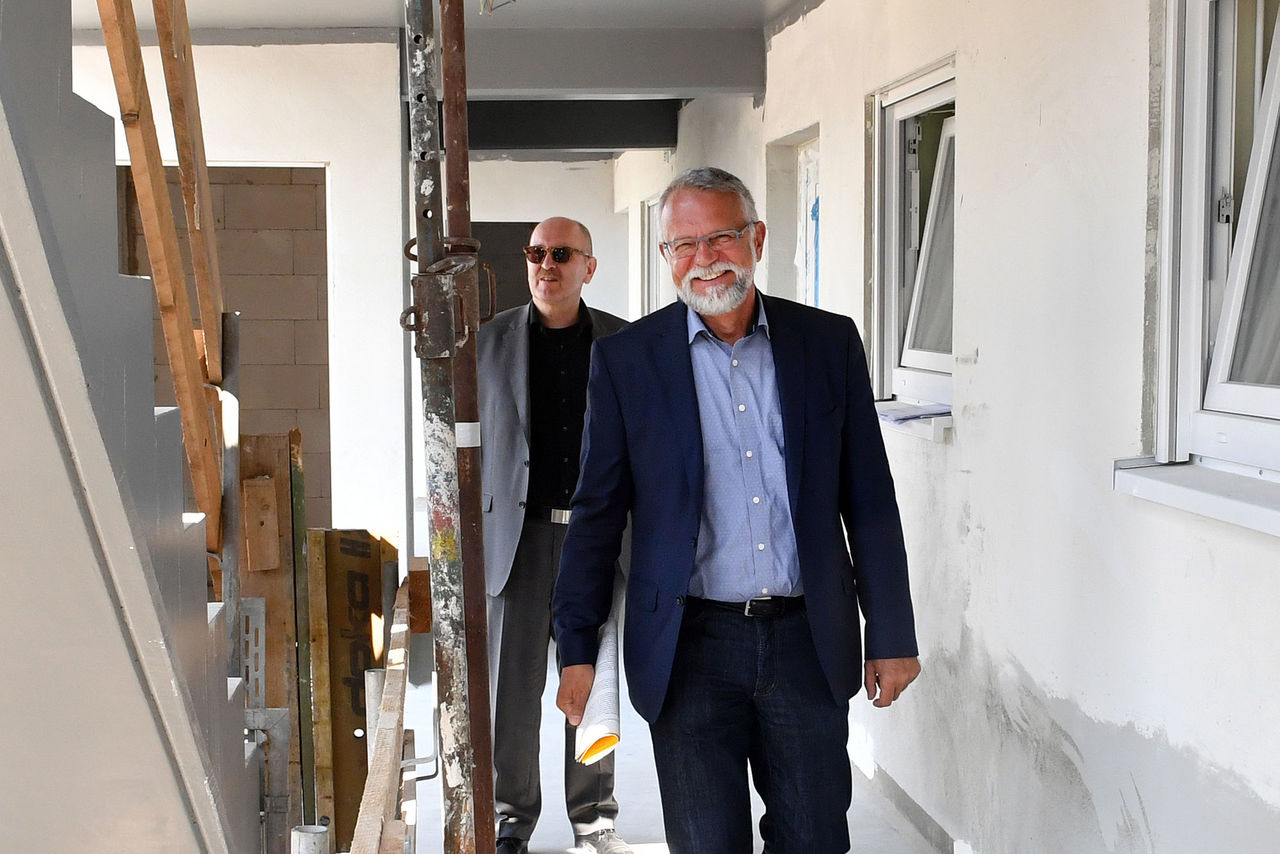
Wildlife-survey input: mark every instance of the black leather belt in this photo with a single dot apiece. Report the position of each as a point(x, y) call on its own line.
point(547, 514)
point(761, 606)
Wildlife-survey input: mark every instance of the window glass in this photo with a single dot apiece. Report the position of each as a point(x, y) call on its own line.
point(931, 315)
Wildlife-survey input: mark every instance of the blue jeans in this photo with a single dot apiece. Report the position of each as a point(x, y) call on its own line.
point(749, 691)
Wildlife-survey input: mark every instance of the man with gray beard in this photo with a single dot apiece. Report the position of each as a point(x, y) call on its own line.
point(738, 431)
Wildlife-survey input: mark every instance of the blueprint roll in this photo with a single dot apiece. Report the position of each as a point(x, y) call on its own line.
point(600, 730)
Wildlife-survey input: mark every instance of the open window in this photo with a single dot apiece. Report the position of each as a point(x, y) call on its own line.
point(1218, 338)
point(912, 181)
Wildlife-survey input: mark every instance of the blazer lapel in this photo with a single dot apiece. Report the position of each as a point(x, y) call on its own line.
point(670, 354)
point(517, 356)
point(789, 367)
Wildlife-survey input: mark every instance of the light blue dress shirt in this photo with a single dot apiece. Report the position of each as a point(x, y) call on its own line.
point(746, 541)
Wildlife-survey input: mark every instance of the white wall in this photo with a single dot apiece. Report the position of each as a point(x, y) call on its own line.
point(336, 106)
point(1094, 665)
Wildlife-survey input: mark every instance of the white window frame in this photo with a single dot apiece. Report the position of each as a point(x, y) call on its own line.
point(912, 357)
point(892, 106)
point(657, 288)
point(1200, 416)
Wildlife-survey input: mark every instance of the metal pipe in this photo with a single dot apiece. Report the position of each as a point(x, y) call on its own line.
point(432, 320)
point(453, 48)
point(309, 839)
point(466, 402)
point(374, 680)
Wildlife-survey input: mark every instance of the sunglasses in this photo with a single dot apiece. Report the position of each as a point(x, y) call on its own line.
point(559, 254)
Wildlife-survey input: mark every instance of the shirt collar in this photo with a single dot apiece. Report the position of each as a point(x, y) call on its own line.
point(583, 323)
point(695, 323)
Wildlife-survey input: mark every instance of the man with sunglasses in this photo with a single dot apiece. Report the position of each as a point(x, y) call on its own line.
point(533, 363)
point(738, 432)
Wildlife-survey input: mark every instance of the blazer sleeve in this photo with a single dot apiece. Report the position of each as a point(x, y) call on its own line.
point(869, 509)
point(584, 587)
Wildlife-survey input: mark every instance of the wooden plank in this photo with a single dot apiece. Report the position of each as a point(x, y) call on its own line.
point(419, 595)
point(301, 596)
point(393, 836)
point(173, 33)
point(321, 695)
point(382, 785)
point(353, 571)
point(269, 455)
point(260, 516)
point(120, 33)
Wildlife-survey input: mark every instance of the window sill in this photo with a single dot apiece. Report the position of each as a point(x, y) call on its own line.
point(1249, 502)
point(920, 420)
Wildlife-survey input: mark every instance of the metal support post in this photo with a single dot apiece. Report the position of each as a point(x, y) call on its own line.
point(273, 728)
point(467, 408)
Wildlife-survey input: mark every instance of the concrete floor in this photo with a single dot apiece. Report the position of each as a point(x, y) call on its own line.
point(874, 824)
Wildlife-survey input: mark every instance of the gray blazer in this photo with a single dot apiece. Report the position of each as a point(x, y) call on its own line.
point(503, 356)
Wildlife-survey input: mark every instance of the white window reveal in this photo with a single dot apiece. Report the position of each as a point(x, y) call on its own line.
point(659, 289)
point(807, 196)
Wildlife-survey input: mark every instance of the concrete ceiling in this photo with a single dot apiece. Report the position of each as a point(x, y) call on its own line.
point(588, 51)
point(520, 14)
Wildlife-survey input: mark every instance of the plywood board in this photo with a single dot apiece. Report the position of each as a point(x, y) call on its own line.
point(260, 515)
point(269, 456)
point(352, 599)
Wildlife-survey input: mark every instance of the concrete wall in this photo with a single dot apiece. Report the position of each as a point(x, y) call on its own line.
point(1097, 670)
point(335, 106)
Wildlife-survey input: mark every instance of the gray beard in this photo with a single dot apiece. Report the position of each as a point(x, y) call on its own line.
point(721, 301)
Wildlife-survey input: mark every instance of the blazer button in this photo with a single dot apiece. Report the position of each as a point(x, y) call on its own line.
point(680, 601)
point(522, 505)
point(693, 541)
point(526, 463)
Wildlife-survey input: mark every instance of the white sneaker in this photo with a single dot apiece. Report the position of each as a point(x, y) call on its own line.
point(605, 841)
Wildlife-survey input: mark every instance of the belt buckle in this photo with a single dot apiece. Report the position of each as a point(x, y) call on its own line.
point(560, 517)
point(746, 608)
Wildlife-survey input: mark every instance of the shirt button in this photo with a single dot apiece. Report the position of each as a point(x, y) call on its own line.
point(759, 547)
point(735, 363)
point(742, 407)
point(748, 455)
point(755, 499)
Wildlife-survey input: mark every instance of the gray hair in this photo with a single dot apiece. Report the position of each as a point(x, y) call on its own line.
point(712, 180)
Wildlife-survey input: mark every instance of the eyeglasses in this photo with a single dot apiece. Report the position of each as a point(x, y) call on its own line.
point(717, 241)
point(559, 254)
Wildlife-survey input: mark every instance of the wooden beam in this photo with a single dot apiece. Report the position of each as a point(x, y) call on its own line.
point(321, 695)
point(120, 33)
point(173, 32)
point(382, 785)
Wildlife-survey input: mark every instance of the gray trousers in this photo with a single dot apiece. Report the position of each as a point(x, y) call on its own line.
point(519, 631)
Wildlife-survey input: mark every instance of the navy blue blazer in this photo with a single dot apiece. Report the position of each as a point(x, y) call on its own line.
point(642, 453)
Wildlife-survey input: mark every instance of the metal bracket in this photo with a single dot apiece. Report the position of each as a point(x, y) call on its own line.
point(253, 643)
point(1226, 209)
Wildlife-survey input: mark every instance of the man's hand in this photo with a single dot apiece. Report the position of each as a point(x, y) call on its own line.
point(892, 675)
point(575, 685)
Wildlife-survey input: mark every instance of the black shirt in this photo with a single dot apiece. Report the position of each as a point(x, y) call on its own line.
point(559, 361)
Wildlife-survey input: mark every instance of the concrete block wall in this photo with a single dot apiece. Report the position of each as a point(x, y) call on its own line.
point(270, 225)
